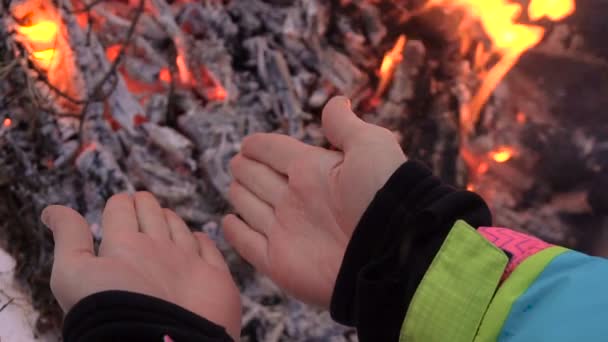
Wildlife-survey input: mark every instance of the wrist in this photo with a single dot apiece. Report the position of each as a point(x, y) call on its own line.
point(394, 244)
point(129, 316)
point(368, 237)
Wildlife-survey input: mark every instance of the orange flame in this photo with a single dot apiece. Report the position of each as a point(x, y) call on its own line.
point(391, 59)
point(7, 122)
point(470, 187)
point(45, 31)
point(41, 33)
point(44, 56)
point(552, 9)
point(502, 154)
point(509, 38)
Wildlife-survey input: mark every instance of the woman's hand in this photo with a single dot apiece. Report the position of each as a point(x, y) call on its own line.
point(145, 249)
point(299, 204)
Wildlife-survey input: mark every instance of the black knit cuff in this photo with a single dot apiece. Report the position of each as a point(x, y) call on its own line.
point(369, 235)
point(127, 316)
point(393, 245)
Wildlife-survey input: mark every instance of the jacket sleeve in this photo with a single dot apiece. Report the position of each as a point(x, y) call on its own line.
point(416, 270)
point(128, 316)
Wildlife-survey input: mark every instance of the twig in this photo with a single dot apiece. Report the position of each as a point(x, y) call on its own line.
point(10, 300)
point(97, 89)
point(95, 94)
point(88, 7)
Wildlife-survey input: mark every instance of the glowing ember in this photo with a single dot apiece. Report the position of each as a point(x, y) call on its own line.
point(217, 94)
point(7, 122)
point(139, 119)
point(482, 168)
point(502, 154)
point(83, 20)
point(509, 38)
point(470, 187)
point(164, 75)
point(182, 68)
point(212, 89)
point(112, 52)
point(521, 118)
point(391, 59)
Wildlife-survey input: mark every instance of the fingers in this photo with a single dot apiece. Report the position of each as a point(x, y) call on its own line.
point(341, 126)
point(274, 150)
point(150, 216)
point(180, 233)
point(119, 215)
point(209, 252)
point(259, 215)
point(250, 244)
point(258, 178)
point(71, 233)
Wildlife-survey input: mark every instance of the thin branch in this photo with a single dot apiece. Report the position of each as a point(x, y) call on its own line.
point(88, 7)
point(96, 93)
point(118, 60)
point(10, 300)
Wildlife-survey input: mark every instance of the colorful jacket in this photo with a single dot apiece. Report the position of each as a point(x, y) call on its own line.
point(417, 270)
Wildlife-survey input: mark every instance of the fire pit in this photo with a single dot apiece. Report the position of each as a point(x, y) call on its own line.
point(105, 96)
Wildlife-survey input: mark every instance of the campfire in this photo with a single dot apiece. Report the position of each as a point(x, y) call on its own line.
point(106, 96)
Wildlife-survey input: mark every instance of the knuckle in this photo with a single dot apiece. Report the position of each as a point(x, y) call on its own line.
point(170, 214)
point(250, 140)
point(232, 191)
point(143, 195)
point(234, 163)
point(120, 196)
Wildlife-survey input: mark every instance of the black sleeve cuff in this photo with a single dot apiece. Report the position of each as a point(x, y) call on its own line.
point(127, 316)
point(392, 247)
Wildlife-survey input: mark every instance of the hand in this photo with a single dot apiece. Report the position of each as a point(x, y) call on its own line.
point(145, 249)
point(300, 204)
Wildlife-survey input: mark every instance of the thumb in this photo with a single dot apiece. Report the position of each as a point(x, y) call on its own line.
point(341, 126)
point(71, 232)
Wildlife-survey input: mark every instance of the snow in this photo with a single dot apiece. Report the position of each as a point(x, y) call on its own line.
point(17, 318)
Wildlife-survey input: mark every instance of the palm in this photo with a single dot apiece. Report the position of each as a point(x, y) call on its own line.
point(300, 204)
point(306, 238)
